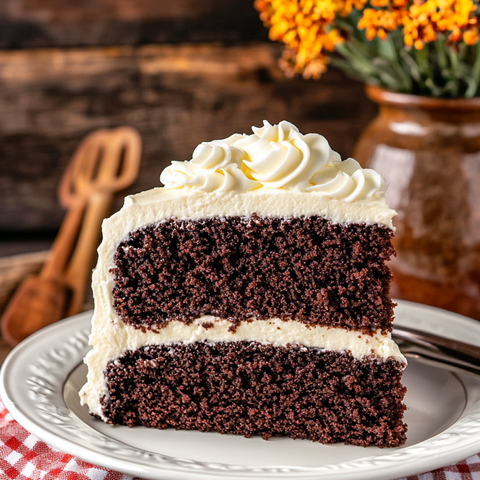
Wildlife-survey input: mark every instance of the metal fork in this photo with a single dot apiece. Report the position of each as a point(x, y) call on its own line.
point(438, 351)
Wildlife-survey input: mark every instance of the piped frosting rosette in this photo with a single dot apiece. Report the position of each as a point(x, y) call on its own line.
point(278, 157)
point(215, 166)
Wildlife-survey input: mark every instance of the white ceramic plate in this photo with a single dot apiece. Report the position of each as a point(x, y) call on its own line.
point(41, 377)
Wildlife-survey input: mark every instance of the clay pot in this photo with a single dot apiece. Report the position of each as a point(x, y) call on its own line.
point(428, 149)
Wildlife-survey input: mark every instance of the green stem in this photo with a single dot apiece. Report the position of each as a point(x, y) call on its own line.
point(437, 70)
point(440, 51)
point(454, 65)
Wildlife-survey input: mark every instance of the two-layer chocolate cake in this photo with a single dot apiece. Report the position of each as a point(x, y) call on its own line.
point(250, 295)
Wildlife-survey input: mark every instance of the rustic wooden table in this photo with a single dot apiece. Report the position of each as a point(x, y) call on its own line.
point(13, 246)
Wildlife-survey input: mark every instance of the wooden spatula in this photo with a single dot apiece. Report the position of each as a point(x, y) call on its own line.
point(105, 162)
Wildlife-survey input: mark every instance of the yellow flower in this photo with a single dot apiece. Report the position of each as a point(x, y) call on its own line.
point(471, 37)
point(309, 27)
point(379, 3)
point(306, 27)
point(378, 22)
point(421, 20)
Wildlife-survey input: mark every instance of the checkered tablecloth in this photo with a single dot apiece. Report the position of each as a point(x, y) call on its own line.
point(24, 457)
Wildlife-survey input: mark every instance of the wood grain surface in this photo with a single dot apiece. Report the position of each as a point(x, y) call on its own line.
point(179, 72)
point(49, 23)
point(175, 95)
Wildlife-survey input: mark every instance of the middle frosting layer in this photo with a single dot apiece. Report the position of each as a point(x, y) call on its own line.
point(275, 331)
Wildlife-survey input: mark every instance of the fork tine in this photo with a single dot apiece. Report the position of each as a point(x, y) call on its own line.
point(121, 143)
point(86, 163)
point(80, 169)
point(132, 145)
point(97, 164)
point(112, 155)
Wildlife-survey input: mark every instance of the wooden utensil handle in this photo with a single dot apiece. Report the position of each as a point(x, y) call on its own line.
point(65, 241)
point(80, 265)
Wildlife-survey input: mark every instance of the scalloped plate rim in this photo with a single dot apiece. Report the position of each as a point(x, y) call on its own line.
point(404, 462)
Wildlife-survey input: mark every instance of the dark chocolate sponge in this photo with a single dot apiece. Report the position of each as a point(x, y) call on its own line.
point(248, 388)
point(239, 268)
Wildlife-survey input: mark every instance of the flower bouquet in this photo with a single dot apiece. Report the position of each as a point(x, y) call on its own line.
point(422, 47)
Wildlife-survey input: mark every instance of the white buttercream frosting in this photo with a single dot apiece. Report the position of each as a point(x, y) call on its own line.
point(276, 172)
point(207, 328)
point(215, 166)
point(276, 157)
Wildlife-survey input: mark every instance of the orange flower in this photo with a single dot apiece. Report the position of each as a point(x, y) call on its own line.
point(307, 28)
point(379, 3)
point(310, 31)
point(471, 37)
point(378, 22)
point(422, 20)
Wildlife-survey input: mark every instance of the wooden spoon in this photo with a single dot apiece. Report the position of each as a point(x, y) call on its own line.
point(105, 162)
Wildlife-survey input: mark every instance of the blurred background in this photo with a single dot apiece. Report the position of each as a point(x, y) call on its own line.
point(179, 72)
point(184, 72)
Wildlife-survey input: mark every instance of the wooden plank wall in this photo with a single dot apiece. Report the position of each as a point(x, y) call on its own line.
point(180, 72)
point(46, 23)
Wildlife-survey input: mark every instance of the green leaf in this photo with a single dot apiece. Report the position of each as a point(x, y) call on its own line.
point(476, 67)
point(472, 87)
point(440, 52)
point(387, 50)
point(411, 65)
point(437, 70)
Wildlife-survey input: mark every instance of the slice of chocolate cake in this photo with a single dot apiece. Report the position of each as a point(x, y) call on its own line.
point(251, 296)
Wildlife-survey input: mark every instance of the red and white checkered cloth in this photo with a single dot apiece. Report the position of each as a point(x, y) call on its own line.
point(24, 457)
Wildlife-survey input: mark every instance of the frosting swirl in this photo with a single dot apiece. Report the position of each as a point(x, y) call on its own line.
point(281, 157)
point(349, 181)
point(274, 156)
point(214, 166)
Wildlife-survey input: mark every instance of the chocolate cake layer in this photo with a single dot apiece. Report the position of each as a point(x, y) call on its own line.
point(248, 388)
point(307, 269)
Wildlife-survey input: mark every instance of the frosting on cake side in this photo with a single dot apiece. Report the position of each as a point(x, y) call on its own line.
point(276, 172)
